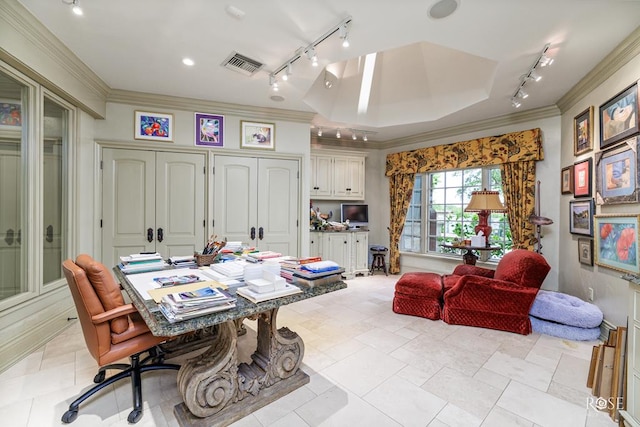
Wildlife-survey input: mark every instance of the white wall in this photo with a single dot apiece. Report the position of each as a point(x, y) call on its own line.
point(610, 291)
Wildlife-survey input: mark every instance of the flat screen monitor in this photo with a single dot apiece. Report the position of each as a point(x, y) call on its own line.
point(356, 213)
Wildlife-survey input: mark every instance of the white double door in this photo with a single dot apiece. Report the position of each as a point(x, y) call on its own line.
point(256, 202)
point(152, 201)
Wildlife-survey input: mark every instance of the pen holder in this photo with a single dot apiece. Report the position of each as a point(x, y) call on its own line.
point(202, 260)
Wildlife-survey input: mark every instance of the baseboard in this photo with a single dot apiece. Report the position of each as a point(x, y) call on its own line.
point(605, 328)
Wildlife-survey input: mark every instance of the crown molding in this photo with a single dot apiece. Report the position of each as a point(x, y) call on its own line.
point(481, 125)
point(191, 104)
point(627, 50)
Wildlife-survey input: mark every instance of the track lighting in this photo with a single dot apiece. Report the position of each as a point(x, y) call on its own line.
point(364, 137)
point(329, 133)
point(344, 35)
point(353, 136)
point(338, 134)
point(311, 54)
point(543, 60)
point(75, 6)
point(287, 73)
point(319, 131)
point(273, 81)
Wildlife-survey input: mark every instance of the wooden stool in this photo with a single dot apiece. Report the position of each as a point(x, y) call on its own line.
point(378, 263)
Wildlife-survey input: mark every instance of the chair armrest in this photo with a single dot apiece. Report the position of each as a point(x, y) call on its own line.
point(485, 294)
point(466, 269)
point(120, 311)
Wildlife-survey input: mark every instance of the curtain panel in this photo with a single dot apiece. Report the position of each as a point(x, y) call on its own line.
point(515, 147)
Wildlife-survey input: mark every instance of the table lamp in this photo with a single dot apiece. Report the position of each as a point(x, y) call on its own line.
point(484, 202)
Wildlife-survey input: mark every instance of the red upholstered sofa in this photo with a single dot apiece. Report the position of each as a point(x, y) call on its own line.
point(496, 299)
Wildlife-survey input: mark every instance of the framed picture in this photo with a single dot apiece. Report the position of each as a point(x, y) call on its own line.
point(583, 132)
point(585, 251)
point(209, 130)
point(616, 244)
point(257, 135)
point(619, 117)
point(566, 180)
point(10, 114)
point(582, 178)
point(153, 126)
point(617, 177)
point(581, 217)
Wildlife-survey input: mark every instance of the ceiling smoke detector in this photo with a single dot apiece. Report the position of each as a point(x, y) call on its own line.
point(242, 64)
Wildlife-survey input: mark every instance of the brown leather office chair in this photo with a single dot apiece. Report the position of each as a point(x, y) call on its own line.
point(112, 331)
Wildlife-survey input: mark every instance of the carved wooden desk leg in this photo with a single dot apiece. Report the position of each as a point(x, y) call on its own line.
point(212, 383)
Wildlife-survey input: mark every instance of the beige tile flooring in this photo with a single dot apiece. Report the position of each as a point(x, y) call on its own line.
point(368, 367)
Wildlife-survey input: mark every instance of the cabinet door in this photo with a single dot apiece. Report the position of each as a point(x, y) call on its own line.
point(278, 206)
point(321, 176)
point(336, 247)
point(361, 249)
point(315, 244)
point(349, 177)
point(180, 200)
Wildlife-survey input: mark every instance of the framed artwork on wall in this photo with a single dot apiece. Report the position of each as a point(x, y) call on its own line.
point(582, 178)
point(616, 244)
point(153, 126)
point(209, 130)
point(566, 180)
point(581, 217)
point(10, 114)
point(585, 251)
point(257, 135)
point(583, 132)
point(617, 177)
point(619, 117)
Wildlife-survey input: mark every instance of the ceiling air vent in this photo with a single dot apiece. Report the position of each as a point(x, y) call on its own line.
point(242, 64)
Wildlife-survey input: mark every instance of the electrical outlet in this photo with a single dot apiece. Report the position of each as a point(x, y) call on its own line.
point(590, 294)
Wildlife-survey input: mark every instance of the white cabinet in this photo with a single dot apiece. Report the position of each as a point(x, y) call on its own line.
point(336, 176)
point(632, 414)
point(347, 249)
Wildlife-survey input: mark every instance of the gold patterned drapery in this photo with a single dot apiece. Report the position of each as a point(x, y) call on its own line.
point(515, 147)
point(518, 187)
point(400, 191)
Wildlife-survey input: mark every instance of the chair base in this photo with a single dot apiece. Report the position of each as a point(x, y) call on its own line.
point(134, 371)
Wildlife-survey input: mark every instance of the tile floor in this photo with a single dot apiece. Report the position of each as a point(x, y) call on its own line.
point(368, 367)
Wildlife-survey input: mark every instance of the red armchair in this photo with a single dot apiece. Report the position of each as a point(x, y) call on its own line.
point(499, 299)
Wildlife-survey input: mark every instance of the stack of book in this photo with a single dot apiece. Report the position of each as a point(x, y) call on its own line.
point(139, 263)
point(318, 273)
point(186, 261)
point(186, 305)
point(262, 255)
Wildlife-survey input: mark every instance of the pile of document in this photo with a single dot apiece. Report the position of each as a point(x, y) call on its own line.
point(186, 261)
point(186, 305)
point(139, 263)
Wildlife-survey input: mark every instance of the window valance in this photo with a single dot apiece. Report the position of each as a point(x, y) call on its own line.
point(493, 150)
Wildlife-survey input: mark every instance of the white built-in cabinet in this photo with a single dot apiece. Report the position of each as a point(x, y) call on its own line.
point(336, 176)
point(347, 249)
point(632, 414)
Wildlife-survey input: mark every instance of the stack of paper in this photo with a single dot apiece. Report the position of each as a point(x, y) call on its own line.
point(188, 304)
point(138, 263)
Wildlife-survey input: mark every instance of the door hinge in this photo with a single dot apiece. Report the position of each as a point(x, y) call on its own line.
point(204, 170)
point(298, 174)
point(204, 222)
point(101, 164)
point(213, 170)
point(213, 222)
point(297, 223)
point(100, 223)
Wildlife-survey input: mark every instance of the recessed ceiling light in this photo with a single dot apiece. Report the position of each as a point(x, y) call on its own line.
point(443, 8)
point(188, 61)
point(277, 98)
point(234, 12)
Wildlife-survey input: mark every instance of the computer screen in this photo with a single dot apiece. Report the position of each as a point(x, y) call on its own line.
point(356, 213)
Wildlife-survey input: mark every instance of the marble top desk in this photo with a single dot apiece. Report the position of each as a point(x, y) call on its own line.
point(469, 257)
point(216, 390)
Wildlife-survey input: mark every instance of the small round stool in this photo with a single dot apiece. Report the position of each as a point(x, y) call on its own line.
point(378, 263)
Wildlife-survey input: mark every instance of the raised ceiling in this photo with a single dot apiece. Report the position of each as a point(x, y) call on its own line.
point(429, 73)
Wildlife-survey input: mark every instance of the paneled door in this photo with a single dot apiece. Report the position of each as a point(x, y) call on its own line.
point(256, 202)
point(10, 220)
point(152, 201)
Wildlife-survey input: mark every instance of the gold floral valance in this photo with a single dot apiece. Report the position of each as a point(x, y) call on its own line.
point(492, 150)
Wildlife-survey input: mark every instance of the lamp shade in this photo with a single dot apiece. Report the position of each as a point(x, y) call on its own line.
point(485, 201)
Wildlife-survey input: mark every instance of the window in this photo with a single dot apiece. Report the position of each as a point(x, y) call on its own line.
point(438, 202)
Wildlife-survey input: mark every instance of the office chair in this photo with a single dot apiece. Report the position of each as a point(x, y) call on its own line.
point(112, 331)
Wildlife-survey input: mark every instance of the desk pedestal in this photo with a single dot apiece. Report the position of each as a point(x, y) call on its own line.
point(217, 391)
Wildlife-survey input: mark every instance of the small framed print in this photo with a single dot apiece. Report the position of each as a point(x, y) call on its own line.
point(581, 217)
point(209, 130)
point(153, 126)
point(617, 177)
point(566, 180)
point(616, 244)
point(582, 178)
point(257, 135)
point(10, 114)
point(585, 251)
point(619, 117)
point(583, 132)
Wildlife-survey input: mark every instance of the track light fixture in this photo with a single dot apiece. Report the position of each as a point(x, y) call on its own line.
point(310, 50)
point(353, 135)
point(364, 137)
point(319, 131)
point(542, 60)
point(338, 134)
point(328, 133)
point(273, 81)
point(75, 6)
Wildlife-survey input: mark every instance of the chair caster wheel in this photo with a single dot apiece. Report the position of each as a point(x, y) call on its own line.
point(69, 416)
point(99, 377)
point(134, 416)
